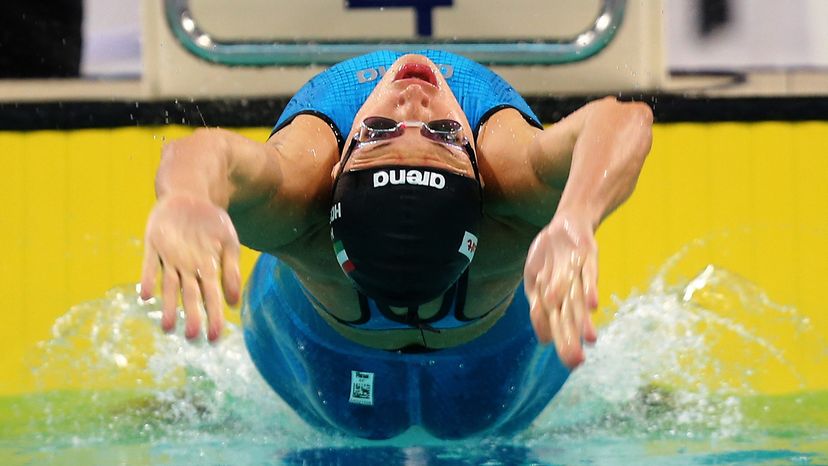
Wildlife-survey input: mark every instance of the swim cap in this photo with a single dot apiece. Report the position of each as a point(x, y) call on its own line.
point(403, 234)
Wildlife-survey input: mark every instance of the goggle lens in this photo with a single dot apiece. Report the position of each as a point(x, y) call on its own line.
point(380, 128)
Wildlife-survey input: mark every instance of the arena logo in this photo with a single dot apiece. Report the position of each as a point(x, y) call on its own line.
point(370, 74)
point(412, 177)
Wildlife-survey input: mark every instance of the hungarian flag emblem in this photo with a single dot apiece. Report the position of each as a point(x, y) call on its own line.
point(342, 258)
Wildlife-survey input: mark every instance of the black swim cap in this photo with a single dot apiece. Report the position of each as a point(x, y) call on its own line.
point(402, 234)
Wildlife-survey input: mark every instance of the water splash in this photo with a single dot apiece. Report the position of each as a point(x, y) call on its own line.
point(678, 360)
point(135, 382)
point(664, 367)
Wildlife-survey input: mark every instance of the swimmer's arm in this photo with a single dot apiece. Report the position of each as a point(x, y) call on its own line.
point(269, 189)
point(594, 156)
point(590, 161)
point(266, 188)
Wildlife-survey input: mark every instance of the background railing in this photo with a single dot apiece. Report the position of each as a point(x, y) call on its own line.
point(326, 52)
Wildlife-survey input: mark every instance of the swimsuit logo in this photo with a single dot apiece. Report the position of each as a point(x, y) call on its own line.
point(370, 74)
point(413, 177)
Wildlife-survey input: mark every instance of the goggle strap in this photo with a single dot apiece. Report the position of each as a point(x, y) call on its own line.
point(345, 158)
point(475, 169)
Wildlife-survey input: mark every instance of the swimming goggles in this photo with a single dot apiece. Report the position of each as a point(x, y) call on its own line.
point(377, 128)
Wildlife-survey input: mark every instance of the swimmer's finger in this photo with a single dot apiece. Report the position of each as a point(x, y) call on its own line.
point(590, 282)
point(149, 271)
point(558, 283)
point(190, 297)
point(230, 274)
point(169, 291)
point(578, 306)
point(589, 276)
point(212, 302)
point(540, 320)
point(554, 317)
point(589, 331)
point(548, 286)
point(570, 353)
point(533, 266)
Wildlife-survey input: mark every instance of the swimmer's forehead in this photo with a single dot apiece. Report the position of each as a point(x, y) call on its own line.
point(411, 151)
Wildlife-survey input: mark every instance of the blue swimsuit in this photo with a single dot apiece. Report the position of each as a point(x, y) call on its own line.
point(494, 385)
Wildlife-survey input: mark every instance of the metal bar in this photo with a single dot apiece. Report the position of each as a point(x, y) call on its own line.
point(551, 52)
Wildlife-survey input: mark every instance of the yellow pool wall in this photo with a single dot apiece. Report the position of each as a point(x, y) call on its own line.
point(749, 197)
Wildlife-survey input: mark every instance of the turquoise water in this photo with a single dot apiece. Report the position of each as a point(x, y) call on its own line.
point(644, 396)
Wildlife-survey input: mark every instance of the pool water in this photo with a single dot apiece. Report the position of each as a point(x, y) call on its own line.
point(656, 389)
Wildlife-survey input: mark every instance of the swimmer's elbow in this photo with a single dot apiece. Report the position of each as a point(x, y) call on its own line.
point(641, 119)
point(639, 130)
point(196, 164)
point(203, 142)
point(634, 120)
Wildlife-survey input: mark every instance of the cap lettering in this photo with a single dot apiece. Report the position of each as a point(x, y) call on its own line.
point(336, 212)
point(412, 177)
point(380, 179)
point(437, 181)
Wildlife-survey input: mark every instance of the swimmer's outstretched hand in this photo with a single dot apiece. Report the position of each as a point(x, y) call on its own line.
point(194, 242)
point(561, 277)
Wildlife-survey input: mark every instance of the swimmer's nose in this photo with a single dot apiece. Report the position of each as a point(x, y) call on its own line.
point(413, 104)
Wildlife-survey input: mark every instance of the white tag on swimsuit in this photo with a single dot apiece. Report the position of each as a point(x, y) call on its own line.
point(362, 388)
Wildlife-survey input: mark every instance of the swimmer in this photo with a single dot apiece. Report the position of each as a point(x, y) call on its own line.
point(428, 248)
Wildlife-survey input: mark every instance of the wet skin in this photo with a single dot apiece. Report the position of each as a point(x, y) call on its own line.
point(546, 192)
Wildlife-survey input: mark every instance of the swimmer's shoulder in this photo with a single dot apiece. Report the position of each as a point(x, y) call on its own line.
point(513, 191)
point(302, 157)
